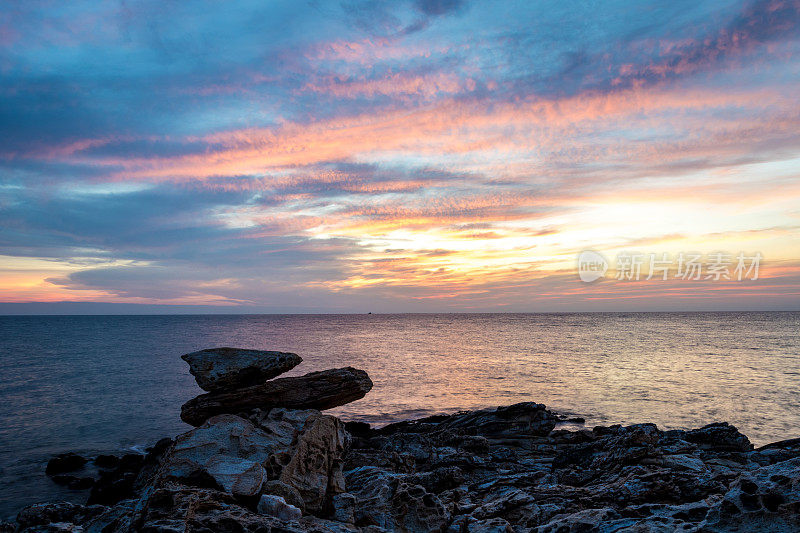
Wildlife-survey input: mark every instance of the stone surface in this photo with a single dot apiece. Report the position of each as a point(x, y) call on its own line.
point(310, 454)
point(344, 507)
point(46, 513)
point(317, 390)
point(65, 462)
point(222, 435)
point(285, 491)
point(272, 505)
point(765, 499)
point(238, 476)
point(229, 368)
point(386, 500)
point(489, 471)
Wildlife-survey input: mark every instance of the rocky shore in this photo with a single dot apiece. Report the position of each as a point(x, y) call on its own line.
point(264, 458)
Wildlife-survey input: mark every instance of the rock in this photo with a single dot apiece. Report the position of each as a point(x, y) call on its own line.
point(720, 436)
point(62, 512)
point(285, 491)
point(106, 461)
point(684, 462)
point(115, 485)
point(311, 454)
point(74, 482)
point(491, 470)
point(181, 509)
point(221, 435)
point(357, 429)
point(519, 420)
point(112, 487)
point(56, 527)
point(766, 499)
point(492, 525)
point(65, 462)
point(238, 476)
point(344, 506)
point(301, 451)
point(383, 499)
point(276, 506)
point(229, 368)
point(317, 390)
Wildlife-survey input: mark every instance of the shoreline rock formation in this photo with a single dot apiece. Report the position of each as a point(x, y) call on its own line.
point(262, 466)
point(317, 390)
point(229, 368)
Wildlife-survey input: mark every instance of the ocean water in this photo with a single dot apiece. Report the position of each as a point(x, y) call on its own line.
point(107, 383)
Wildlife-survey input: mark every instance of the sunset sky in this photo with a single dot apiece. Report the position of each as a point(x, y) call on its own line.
point(429, 155)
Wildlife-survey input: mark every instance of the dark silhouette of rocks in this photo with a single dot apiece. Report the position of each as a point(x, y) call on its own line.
point(256, 462)
point(65, 462)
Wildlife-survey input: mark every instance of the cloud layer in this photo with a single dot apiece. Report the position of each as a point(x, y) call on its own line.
point(396, 156)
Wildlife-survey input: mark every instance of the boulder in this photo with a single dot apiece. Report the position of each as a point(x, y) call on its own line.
point(106, 461)
point(301, 453)
point(317, 390)
point(272, 505)
point(238, 476)
point(229, 368)
point(222, 435)
point(309, 454)
point(65, 462)
point(285, 491)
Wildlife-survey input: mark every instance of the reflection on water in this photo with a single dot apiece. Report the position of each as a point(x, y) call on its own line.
point(98, 383)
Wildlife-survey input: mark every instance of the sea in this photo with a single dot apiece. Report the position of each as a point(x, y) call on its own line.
point(109, 384)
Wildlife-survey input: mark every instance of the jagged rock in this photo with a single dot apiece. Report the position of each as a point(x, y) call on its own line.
point(344, 507)
point(238, 476)
point(766, 499)
point(222, 435)
point(720, 436)
point(65, 462)
point(493, 470)
point(230, 368)
point(61, 512)
point(519, 420)
point(118, 484)
point(777, 452)
point(317, 390)
point(285, 491)
point(272, 505)
point(106, 461)
point(303, 450)
point(311, 454)
point(492, 525)
point(183, 509)
point(385, 500)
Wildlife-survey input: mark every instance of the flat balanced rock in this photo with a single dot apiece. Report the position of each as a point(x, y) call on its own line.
point(230, 368)
point(317, 390)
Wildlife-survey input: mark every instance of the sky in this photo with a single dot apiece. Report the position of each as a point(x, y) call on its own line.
point(396, 156)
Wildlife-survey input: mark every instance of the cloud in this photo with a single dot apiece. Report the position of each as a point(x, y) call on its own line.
point(431, 153)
